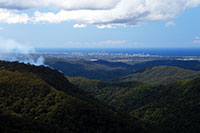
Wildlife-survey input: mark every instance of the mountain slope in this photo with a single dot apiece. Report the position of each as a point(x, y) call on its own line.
point(112, 71)
point(174, 107)
point(11, 123)
point(110, 92)
point(29, 94)
point(100, 70)
point(191, 65)
point(50, 76)
point(170, 108)
point(162, 75)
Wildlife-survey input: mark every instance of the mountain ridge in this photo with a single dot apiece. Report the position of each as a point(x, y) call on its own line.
point(27, 93)
point(161, 75)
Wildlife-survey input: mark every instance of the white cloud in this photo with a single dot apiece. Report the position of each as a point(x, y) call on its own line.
point(125, 12)
point(1, 28)
point(12, 17)
point(104, 26)
point(59, 4)
point(101, 13)
point(170, 23)
point(196, 40)
point(79, 25)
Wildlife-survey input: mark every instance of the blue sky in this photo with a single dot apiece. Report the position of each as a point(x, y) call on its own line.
point(179, 28)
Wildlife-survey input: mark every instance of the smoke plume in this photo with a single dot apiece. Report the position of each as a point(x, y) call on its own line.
point(11, 50)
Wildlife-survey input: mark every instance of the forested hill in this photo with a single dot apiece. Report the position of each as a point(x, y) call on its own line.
point(51, 76)
point(114, 71)
point(106, 92)
point(168, 108)
point(30, 94)
point(191, 65)
point(12, 123)
point(100, 69)
point(161, 75)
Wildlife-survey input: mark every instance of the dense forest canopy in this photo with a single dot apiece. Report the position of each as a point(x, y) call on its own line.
point(167, 108)
point(144, 101)
point(34, 94)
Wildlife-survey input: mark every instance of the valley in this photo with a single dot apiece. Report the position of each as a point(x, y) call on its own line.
point(99, 66)
point(84, 95)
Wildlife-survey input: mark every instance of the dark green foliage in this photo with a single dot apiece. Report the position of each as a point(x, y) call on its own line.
point(162, 75)
point(174, 107)
point(26, 92)
point(50, 76)
point(170, 108)
point(192, 65)
point(12, 123)
point(107, 92)
point(100, 70)
point(113, 71)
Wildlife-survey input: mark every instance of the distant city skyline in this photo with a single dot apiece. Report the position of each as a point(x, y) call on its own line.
point(99, 24)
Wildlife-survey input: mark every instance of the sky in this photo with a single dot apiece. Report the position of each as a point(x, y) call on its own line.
point(99, 24)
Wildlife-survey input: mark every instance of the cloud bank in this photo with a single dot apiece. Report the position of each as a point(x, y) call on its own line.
point(11, 17)
point(59, 4)
point(104, 12)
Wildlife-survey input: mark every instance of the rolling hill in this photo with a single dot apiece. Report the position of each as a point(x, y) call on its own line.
point(191, 65)
point(43, 97)
point(100, 69)
point(167, 108)
point(161, 75)
point(115, 71)
point(40, 94)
